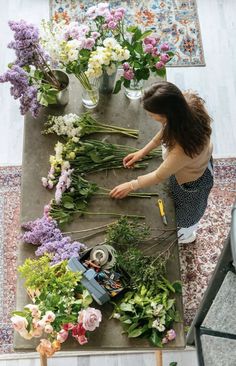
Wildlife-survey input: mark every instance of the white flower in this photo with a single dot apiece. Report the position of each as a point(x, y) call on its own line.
point(48, 328)
point(157, 325)
point(116, 316)
point(49, 316)
point(73, 55)
point(110, 42)
point(111, 69)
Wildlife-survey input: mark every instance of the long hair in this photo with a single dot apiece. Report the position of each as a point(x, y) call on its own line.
point(188, 122)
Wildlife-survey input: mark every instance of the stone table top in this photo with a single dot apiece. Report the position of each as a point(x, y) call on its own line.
point(117, 110)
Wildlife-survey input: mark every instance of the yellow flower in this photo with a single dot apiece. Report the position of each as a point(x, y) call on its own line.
point(72, 155)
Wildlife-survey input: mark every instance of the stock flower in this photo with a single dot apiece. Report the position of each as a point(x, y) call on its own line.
point(90, 318)
point(63, 184)
point(19, 323)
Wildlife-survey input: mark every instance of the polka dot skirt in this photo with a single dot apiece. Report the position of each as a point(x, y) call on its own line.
point(191, 198)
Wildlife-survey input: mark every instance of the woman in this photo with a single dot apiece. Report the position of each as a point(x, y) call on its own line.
point(187, 150)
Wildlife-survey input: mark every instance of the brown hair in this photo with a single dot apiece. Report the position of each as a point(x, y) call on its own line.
point(188, 122)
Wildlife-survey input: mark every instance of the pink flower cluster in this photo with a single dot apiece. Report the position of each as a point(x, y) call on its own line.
point(112, 17)
point(81, 33)
point(151, 45)
point(63, 184)
point(88, 320)
point(128, 71)
point(170, 336)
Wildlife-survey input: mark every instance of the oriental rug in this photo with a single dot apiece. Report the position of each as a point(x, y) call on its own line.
point(175, 21)
point(197, 260)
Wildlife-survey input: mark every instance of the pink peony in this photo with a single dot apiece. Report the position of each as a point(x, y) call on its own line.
point(165, 47)
point(90, 317)
point(129, 74)
point(148, 48)
point(165, 58)
point(160, 65)
point(62, 335)
point(171, 335)
point(150, 40)
point(19, 323)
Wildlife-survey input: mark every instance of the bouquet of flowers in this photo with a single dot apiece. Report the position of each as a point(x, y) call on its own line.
point(60, 305)
point(34, 83)
point(147, 55)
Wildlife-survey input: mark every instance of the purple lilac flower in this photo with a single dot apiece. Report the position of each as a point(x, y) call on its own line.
point(165, 58)
point(129, 74)
point(41, 230)
point(26, 44)
point(160, 65)
point(165, 47)
point(61, 249)
point(22, 90)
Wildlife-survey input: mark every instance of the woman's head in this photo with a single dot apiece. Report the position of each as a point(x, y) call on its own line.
point(187, 122)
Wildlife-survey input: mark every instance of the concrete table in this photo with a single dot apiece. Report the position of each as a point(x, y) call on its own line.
point(118, 110)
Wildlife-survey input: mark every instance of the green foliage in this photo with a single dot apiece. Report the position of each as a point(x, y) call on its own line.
point(138, 310)
point(126, 232)
point(55, 288)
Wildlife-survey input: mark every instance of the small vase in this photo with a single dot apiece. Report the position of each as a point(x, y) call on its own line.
point(106, 82)
point(62, 95)
point(90, 96)
point(135, 89)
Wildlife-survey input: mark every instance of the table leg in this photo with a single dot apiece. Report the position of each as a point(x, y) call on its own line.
point(43, 360)
point(159, 361)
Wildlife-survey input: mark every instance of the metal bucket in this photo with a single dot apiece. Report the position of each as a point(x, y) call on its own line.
point(62, 95)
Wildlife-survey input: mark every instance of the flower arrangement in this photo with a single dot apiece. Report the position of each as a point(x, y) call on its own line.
point(53, 317)
point(147, 54)
point(34, 83)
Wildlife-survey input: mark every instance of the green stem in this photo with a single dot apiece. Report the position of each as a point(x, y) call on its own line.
point(107, 213)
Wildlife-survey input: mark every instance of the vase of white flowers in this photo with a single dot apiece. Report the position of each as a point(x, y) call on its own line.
point(90, 94)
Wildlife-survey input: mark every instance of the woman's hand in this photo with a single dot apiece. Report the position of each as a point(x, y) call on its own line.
point(131, 159)
point(121, 191)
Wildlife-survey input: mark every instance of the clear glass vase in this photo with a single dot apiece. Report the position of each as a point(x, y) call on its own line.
point(90, 95)
point(107, 82)
point(135, 89)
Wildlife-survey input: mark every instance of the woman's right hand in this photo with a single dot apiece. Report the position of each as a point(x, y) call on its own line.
point(131, 159)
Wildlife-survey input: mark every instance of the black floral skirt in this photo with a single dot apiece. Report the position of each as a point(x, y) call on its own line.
point(191, 198)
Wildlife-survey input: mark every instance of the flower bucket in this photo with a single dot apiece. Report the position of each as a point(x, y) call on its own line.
point(62, 95)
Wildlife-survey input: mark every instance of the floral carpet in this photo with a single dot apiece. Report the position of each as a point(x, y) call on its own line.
point(197, 260)
point(175, 21)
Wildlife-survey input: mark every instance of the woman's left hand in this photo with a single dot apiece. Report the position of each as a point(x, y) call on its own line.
point(121, 191)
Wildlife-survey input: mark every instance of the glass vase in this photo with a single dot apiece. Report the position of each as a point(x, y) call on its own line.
point(106, 82)
point(135, 89)
point(90, 95)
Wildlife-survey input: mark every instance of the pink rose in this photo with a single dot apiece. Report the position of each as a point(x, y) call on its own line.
point(155, 52)
point(48, 328)
point(49, 316)
point(82, 340)
point(68, 326)
point(171, 335)
point(129, 74)
point(91, 318)
point(126, 66)
point(165, 58)
point(62, 335)
point(34, 309)
point(165, 47)
point(164, 340)
point(160, 65)
point(19, 323)
point(112, 25)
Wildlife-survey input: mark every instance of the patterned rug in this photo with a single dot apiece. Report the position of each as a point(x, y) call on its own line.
point(197, 260)
point(176, 21)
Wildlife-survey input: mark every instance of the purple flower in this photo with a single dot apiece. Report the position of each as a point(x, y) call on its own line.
point(160, 65)
point(26, 44)
point(22, 90)
point(41, 230)
point(118, 15)
point(95, 35)
point(171, 335)
point(150, 40)
point(129, 74)
point(155, 52)
point(148, 48)
point(89, 43)
point(63, 184)
point(165, 58)
point(165, 47)
point(112, 25)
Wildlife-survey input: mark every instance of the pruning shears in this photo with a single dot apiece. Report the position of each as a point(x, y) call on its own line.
point(162, 211)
